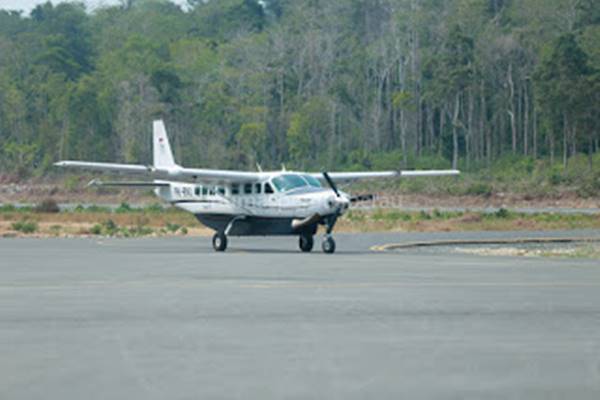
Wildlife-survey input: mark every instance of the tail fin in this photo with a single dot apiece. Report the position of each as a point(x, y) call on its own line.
point(163, 157)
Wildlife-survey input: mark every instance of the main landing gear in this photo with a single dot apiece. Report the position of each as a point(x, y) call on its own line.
point(219, 241)
point(306, 243)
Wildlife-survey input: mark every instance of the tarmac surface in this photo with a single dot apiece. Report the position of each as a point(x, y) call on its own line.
point(167, 318)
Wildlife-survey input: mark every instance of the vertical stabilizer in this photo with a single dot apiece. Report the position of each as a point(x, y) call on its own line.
point(163, 157)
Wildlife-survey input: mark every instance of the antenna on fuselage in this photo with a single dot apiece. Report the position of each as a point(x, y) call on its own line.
point(258, 167)
point(283, 169)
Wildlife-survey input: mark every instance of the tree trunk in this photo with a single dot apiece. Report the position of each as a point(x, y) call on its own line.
point(565, 141)
point(511, 110)
point(591, 154)
point(526, 120)
point(469, 141)
point(551, 145)
point(455, 131)
point(403, 138)
point(535, 134)
point(441, 133)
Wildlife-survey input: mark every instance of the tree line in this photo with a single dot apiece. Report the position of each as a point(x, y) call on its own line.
point(312, 83)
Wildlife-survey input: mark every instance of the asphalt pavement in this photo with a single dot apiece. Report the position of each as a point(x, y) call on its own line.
point(167, 318)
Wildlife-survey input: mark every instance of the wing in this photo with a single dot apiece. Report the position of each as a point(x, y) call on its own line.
point(355, 176)
point(135, 184)
point(175, 172)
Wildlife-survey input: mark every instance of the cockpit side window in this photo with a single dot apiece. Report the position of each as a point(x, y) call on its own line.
point(268, 188)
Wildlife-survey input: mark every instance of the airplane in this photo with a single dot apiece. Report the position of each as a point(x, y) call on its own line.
point(242, 203)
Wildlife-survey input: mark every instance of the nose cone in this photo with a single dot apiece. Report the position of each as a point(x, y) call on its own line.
point(339, 203)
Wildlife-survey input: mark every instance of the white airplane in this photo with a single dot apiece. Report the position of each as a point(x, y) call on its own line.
point(239, 203)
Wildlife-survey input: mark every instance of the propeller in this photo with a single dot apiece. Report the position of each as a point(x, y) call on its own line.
point(331, 184)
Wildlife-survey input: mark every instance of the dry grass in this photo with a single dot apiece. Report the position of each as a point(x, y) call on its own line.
point(177, 222)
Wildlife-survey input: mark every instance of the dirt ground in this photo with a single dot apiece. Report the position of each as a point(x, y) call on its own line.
point(34, 193)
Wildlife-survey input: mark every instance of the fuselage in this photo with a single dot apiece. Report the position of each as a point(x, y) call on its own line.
point(265, 207)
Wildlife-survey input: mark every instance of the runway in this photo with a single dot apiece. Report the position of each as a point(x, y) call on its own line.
point(167, 318)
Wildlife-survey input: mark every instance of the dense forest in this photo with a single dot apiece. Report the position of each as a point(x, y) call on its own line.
point(313, 83)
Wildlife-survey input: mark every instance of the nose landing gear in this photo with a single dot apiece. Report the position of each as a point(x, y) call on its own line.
point(328, 244)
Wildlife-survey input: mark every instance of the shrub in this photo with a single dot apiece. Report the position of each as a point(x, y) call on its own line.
point(184, 230)
point(172, 227)
point(110, 227)
point(123, 208)
point(96, 229)
point(556, 176)
point(47, 206)
point(7, 208)
point(154, 208)
point(502, 213)
point(479, 189)
point(424, 215)
point(25, 226)
point(72, 183)
point(96, 209)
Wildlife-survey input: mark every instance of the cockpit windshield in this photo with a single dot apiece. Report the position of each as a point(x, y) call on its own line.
point(312, 181)
point(287, 182)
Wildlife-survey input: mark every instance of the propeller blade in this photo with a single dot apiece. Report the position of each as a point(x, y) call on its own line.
point(331, 184)
point(362, 197)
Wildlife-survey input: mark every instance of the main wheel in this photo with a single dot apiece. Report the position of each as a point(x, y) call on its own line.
point(328, 245)
point(306, 243)
point(219, 241)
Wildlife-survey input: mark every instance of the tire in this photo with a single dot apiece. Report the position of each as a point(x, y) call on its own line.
point(306, 243)
point(219, 241)
point(328, 245)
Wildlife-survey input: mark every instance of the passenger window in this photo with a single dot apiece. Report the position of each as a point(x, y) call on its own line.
point(211, 191)
point(268, 188)
point(197, 190)
point(204, 190)
point(257, 188)
point(235, 189)
point(221, 190)
point(248, 188)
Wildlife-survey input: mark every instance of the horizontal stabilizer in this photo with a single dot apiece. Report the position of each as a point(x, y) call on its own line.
point(362, 197)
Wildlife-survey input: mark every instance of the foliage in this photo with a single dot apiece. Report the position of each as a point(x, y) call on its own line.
point(345, 84)
point(47, 206)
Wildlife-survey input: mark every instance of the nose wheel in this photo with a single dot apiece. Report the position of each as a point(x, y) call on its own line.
point(219, 241)
point(328, 245)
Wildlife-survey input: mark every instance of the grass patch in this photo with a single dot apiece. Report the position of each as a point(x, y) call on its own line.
point(25, 226)
point(501, 220)
point(173, 221)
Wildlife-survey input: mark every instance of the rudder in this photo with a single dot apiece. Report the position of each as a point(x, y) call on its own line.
point(163, 156)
